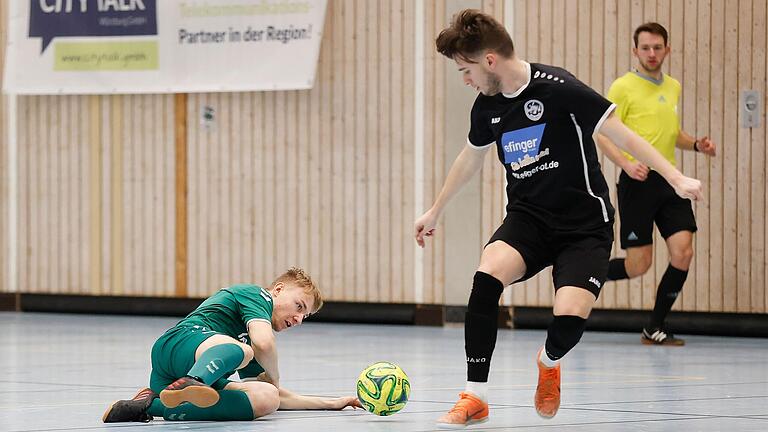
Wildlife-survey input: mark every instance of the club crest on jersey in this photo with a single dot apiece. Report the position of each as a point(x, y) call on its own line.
point(521, 146)
point(534, 109)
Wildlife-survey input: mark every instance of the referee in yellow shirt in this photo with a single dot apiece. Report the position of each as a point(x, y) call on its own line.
point(646, 100)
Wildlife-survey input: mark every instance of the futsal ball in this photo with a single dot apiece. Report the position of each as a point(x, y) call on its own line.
point(383, 388)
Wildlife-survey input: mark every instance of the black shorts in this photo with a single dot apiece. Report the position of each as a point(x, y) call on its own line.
point(578, 258)
point(641, 203)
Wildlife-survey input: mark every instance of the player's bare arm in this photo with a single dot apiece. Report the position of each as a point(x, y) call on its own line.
point(294, 401)
point(633, 144)
point(264, 349)
point(467, 163)
point(634, 169)
point(687, 142)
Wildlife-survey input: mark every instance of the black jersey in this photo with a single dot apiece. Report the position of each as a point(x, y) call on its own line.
point(543, 136)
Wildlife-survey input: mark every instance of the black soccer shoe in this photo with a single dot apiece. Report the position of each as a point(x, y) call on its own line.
point(131, 410)
point(659, 336)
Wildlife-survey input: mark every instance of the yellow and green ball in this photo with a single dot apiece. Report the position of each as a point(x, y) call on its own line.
point(383, 388)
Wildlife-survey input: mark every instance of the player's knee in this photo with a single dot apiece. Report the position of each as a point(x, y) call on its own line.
point(563, 334)
point(485, 294)
point(247, 354)
point(638, 265)
point(681, 258)
point(264, 401)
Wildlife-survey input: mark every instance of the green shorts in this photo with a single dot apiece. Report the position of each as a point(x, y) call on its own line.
point(173, 355)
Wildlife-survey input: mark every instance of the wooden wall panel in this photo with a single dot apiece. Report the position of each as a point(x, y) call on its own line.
point(729, 267)
point(5, 283)
point(96, 195)
point(434, 158)
point(324, 180)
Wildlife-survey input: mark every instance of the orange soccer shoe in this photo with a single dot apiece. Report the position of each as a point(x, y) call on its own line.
point(547, 399)
point(468, 410)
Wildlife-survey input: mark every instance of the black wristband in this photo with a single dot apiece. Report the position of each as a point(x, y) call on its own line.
point(695, 145)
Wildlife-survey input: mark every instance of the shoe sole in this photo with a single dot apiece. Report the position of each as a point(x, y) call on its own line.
point(109, 410)
point(450, 426)
point(199, 396)
point(546, 417)
point(650, 342)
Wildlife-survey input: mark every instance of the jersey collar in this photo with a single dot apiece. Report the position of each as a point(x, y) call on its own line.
point(650, 79)
point(524, 86)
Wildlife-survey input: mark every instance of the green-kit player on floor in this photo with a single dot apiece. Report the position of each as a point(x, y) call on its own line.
point(233, 330)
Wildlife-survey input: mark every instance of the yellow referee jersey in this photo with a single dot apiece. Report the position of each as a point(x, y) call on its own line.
point(649, 108)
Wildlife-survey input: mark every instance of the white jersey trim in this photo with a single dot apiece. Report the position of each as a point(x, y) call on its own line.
point(586, 171)
point(603, 118)
point(258, 319)
point(474, 147)
point(520, 90)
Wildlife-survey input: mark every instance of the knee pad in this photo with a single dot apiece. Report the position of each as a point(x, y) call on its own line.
point(563, 334)
point(485, 295)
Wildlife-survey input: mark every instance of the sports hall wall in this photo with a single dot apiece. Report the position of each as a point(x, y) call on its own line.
point(131, 196)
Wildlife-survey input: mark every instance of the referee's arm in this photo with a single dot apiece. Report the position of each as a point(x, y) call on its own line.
point(688, 142)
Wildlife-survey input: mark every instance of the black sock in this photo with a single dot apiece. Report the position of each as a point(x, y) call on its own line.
point(481, 325)
point(563, 334)
point(670, 286)
point(617, 270)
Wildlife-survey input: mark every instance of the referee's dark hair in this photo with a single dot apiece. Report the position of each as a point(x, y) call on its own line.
point(652, 28)
point(471, 32)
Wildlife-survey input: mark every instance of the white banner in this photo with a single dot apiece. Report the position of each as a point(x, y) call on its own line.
point(168, 46)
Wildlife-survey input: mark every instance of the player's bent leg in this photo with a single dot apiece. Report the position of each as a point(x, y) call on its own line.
point(503, 262)
point(233, 405)
point(221, 339)
point(638, 260)
point(215, 357)
point(264, 397)
point(500, 265)
point(571, 310)
point(575, 301)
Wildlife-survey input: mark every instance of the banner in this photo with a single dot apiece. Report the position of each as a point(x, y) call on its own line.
point(168, 46)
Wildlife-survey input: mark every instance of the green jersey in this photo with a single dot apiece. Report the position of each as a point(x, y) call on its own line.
point(231, 309)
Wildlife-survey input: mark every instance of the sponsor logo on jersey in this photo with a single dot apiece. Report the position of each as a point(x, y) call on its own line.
point(521, 146)
point(662, 99)
point(534, 109)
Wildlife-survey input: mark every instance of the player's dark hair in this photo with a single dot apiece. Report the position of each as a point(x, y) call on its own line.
point(652, 28)
point(471, 32)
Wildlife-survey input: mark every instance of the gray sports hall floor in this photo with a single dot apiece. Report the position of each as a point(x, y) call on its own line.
point(59, 373)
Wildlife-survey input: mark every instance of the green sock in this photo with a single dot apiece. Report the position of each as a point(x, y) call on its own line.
point(157, 408)
point(216, 362)
point(233, 405)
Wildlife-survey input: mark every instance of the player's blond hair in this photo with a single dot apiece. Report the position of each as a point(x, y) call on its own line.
point(301, 279)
